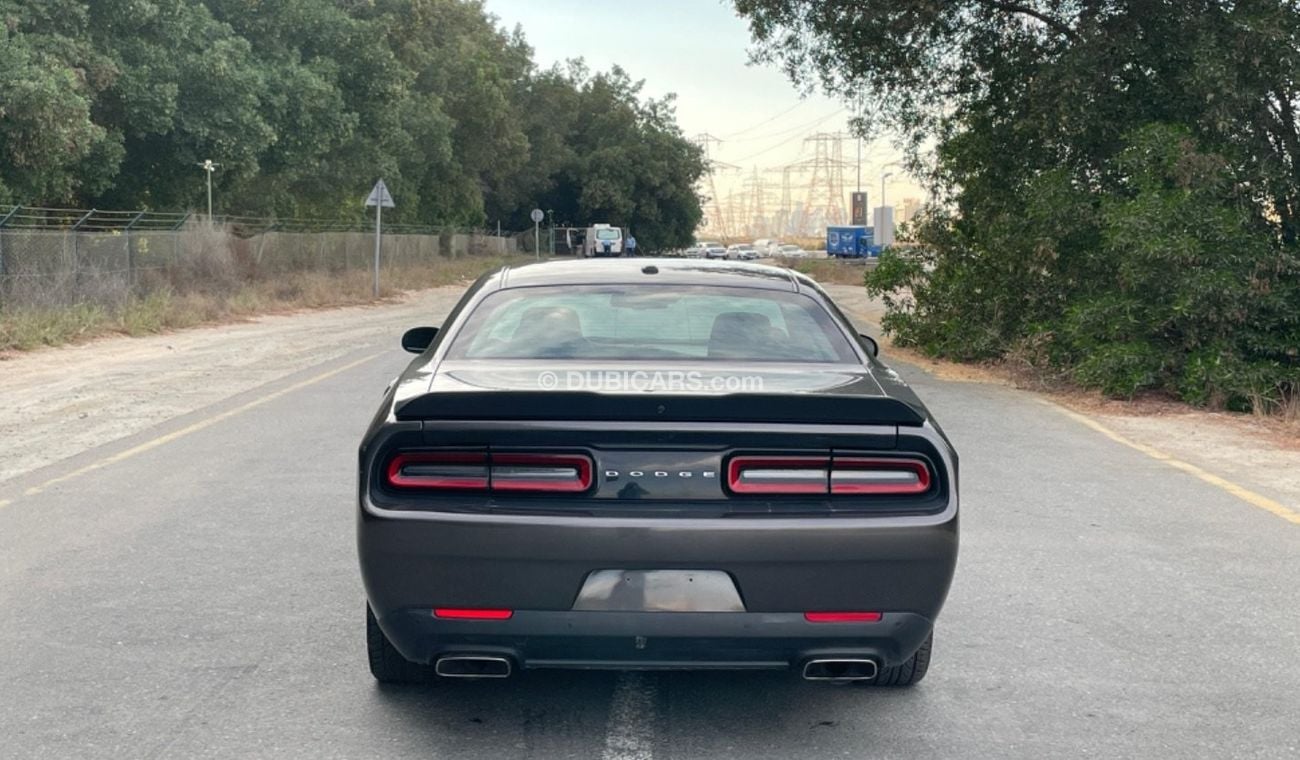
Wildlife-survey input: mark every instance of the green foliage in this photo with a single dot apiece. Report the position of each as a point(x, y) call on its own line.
point(304, 103)
point(1118, 181)
point(48, 86)
point(624, 159)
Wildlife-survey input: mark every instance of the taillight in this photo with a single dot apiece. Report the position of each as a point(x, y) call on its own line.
point(836, 475)
point(487, 471)
point(553, 473)
point(778, 475)
point(439, 471)
point(861, 475)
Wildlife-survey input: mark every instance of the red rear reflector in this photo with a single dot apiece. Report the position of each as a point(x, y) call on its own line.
point(778, 475)
point(842, 617)
point(462, 613)
point(439, 471)
point(891, 477)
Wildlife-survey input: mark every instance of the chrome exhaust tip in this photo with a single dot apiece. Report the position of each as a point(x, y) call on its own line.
point(472, 666)
point(840, 670)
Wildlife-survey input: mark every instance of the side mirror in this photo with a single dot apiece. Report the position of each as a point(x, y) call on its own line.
point(872, 346)
point(417, 339)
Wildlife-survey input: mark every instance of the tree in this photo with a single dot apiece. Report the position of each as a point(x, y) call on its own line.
point(304, 103)
point(1117, 181)
point(50, 146)
point(627, 161)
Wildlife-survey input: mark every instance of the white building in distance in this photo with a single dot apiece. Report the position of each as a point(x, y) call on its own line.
point(883, 221)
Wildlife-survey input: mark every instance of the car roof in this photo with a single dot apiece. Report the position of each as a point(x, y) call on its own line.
point(649, 271)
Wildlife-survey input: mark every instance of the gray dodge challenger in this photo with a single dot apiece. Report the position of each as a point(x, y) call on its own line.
point(640, 464)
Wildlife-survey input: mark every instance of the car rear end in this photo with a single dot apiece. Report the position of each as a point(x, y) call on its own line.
point(639, 542)
point(676, 465)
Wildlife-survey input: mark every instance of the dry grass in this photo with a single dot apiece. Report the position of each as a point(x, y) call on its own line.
point(837, 271)
point(213, 292)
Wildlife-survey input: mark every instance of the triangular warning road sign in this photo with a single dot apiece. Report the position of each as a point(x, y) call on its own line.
point(380, 196)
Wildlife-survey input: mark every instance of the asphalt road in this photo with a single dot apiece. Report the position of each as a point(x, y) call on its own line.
point(192, 591)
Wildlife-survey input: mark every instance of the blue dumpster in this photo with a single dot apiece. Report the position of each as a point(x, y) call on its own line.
point(851, 242)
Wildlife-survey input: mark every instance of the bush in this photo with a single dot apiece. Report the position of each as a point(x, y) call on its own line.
point(1170, 281)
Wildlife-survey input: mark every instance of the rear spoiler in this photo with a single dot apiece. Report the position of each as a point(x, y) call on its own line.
point(807, 408)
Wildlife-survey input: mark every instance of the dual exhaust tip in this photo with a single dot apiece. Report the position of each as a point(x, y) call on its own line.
point(840, 670)
point(493, 666)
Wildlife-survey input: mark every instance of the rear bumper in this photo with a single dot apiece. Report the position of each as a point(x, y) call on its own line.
point(656, 640)
point(536, 566)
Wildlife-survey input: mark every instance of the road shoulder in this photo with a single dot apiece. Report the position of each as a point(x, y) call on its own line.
point(61, 402)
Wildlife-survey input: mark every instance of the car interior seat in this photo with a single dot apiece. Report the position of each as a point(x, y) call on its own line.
point(548, 331)
point(741, 334)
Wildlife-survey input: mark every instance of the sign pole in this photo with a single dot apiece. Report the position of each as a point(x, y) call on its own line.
point(537, 216)
point(380, 199)
point(379, 221)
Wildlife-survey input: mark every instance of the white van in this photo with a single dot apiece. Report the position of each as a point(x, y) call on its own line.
point(603, 240)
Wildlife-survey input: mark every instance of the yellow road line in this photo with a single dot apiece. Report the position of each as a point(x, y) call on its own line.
point(1245, 494)
point(194, 428)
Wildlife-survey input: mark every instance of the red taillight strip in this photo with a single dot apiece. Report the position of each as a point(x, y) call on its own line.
point(453, 470)
point(551, 473)
point(778, 475)
point(470, 613)
point(869, 475)
point(843, 617)
point(483, 471)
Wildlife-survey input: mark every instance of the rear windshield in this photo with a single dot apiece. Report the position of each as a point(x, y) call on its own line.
point(631, 322)
point(606, 234)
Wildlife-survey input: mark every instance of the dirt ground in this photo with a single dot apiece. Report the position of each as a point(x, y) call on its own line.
point(58, 402)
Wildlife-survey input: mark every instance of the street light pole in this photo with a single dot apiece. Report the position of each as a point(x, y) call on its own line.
point(858, 131)
point(209, 167)
point(883, 177)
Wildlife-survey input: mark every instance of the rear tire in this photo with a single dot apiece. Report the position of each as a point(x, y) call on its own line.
point(387, 664)
point(910, 672)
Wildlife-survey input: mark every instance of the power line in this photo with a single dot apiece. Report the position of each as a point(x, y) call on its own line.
point(790, 130)
point(787, 141)
point(752, 127)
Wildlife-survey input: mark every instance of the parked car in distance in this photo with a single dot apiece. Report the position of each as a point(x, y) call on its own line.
point(790, 252)
point(694, 252)
point(741, 252)
point(714, 250)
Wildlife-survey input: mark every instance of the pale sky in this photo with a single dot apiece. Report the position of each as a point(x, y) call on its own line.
point(698, 49)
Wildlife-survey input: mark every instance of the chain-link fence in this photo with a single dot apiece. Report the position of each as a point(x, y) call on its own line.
point(58, 257)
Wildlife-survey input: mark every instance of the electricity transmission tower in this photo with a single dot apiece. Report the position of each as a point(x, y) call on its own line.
point(756, 222)
point(714, 219)
point(787, 216)
point(826, 189)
